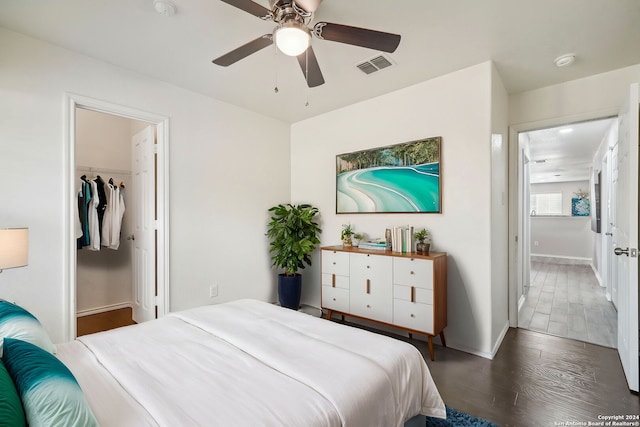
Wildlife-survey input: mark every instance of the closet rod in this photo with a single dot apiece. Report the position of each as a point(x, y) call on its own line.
point(92, 169)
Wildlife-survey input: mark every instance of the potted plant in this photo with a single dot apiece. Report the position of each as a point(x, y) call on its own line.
point(358, 237)
point(423, 244)
point(293, 233)
point(346, 234)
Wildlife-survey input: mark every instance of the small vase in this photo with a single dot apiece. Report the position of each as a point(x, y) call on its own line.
point(347, 242)
point(423, 248)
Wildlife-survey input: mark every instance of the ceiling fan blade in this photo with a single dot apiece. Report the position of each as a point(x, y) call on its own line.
point(308, 5)
point(310, 68)
point(356, 36)
point(250, 7)
point(244, 51)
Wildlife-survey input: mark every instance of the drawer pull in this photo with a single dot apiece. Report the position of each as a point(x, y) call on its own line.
point(412, 272)
point(368, 266)
point(334, 263)
point(413, 294)
point(368, 306)
point(333, 280)
point(335, 299)
point(413, 315)
point(368, 286)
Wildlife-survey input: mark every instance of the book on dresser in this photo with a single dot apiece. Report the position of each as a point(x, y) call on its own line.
point(407, 291)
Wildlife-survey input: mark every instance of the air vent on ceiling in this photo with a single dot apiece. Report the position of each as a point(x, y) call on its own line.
point(375, 64)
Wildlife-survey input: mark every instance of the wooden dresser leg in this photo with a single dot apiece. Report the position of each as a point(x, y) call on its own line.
point(444, 342)
point(329, 314)
point(430, 341)
point(410, 335)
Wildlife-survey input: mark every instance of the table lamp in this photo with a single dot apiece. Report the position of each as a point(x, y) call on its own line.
point(14, 247)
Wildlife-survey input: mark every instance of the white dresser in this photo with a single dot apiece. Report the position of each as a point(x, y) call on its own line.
point(403, 290)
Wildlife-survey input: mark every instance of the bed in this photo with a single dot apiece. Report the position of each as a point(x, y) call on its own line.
point(250, 363)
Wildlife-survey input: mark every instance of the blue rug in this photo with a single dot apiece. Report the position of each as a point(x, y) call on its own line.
point(458, 419)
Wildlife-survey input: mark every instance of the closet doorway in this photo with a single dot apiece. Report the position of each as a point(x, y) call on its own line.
point(118, 269)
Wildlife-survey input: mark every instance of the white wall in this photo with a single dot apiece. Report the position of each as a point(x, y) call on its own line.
point(499, 210)
point(562, 237)
point(595, 96)
point(456, 107)
point(567, 188)
point(227, 167)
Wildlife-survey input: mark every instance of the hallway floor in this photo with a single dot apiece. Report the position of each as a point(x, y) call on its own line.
point(566, 300)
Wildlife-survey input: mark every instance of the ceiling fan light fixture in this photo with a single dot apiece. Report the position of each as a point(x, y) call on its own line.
point(292, 38)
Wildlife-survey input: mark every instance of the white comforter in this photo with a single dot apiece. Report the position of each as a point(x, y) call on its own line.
point(249, 363)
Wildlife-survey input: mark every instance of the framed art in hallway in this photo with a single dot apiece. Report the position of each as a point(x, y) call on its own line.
point(401, 178)
point(580, 207)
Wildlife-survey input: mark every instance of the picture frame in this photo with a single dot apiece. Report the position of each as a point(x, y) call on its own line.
point(400, 178)
point(580, 206)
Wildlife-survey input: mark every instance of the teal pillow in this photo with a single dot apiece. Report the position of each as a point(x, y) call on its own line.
point(50, 394)
point(16, 322)
point(11, 412)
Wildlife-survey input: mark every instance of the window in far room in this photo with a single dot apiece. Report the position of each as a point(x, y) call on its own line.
point(546, 204)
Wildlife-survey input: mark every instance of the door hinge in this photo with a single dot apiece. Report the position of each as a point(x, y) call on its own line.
point(155, 148)
point(633, 252)
point(156, 224)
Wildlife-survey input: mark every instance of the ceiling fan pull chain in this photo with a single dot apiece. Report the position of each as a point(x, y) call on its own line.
point(275, 56)
point(306, 75)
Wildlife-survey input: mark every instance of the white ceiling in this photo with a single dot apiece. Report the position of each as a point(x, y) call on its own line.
point(565, 153)
point(522, 37)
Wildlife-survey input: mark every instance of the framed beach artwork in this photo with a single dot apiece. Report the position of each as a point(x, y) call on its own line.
point(401, 178)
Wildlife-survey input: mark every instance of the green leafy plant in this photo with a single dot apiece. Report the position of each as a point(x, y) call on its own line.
point(346, 232)
point(422, 235)
point(294, 236)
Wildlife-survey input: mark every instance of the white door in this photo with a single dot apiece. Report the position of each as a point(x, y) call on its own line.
point(613, 273)
point(625, 235)
point(143, 202)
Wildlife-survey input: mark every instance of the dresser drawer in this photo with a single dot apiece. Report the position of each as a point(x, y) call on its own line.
point(334, 262)
point(372, 306)
point(335, 281)
point(413, 272)
point(420, 295)
point(367, 265)
point(413, 315)
point(335, 299)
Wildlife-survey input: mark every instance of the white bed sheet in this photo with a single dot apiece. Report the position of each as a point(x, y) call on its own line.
point(249, 363)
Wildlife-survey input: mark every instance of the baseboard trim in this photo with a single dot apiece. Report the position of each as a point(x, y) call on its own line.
point(597, 273)
point(498, 342)
point(103, 309)
point(560, 259)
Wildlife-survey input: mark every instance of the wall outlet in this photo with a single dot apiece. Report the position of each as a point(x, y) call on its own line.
point(213, 291)
point(535, 243)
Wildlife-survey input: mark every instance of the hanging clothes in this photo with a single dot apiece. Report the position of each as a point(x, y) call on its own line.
point(107, 221)
point(102, 204)
point(78, 225)
point(84, 198)
point(113, 215)
point(94, 226)
point(117, 215)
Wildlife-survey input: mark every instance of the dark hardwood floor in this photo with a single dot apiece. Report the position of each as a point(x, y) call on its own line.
point(104, 321)
point(535, 380)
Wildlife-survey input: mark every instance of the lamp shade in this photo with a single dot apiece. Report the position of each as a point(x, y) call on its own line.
point(292, 38)
point(14, 247)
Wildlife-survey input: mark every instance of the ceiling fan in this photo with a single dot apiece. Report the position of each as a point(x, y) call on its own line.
point(293, 36)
